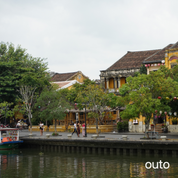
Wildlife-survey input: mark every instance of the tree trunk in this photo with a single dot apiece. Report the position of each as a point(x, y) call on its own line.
point(97, 127)
point(30, 128)
point(29, 118)
point(55, 126)
point(147, 127)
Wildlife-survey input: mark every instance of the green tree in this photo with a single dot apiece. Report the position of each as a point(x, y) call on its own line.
point(17, 67)
point(6, 111)
point(173, 101)
point(28, 95)
point(141, 94)
point(143, 70)
point(52, 106)
point(97, 101)
point(71, 95)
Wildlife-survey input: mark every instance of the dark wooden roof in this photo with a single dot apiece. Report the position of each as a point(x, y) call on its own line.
point(135, 59)
point(175, 45)
point(158, 56)
point(132, 60)
point(62, 76)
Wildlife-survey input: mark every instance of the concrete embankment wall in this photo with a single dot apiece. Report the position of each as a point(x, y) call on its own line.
point(103, 146)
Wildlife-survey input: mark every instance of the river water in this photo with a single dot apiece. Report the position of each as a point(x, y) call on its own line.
point(29, 163)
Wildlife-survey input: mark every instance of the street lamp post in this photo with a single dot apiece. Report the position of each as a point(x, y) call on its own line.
point(85, 123)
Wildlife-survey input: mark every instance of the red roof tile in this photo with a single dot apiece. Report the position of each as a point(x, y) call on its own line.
point(158, 56)
point(62, 76)
point(135, 59)
point(132, 60)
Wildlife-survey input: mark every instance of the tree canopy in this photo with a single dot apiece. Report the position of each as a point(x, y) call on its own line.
point(97, 101)
point(142, 92)
point(52, 105)
point(17, 67)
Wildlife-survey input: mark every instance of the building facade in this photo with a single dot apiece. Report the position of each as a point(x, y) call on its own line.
point(67, 80)
point(115, 76)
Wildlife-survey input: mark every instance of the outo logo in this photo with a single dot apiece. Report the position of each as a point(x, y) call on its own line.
point(157, 165)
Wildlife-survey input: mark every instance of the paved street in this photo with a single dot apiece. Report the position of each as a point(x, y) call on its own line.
point(131, 136)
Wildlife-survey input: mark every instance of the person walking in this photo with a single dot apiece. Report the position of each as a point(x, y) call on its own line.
point(78, 130)
point(41, 128)
point(75, 128)
point(83, 129)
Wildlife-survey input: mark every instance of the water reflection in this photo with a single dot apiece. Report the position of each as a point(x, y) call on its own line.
point(33, 164)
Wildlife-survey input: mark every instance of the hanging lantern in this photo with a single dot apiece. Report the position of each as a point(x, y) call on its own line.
point(156, 111)
point(155, 64)
point(165, 112)
point(152, 65)
point(146, 65)
point(159, 97)
point(162, 64)
point(159, 64)
point(175, 113)
point(167, 98)
point(175, 98)
point(170, 113)
point(160, 112)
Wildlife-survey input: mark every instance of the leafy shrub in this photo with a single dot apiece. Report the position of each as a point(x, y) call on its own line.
point(119, 126)
point(55, 134)
point(122, 126)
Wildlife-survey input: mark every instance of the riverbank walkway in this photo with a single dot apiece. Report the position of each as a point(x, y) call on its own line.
point(107, 143)
point(109, 135)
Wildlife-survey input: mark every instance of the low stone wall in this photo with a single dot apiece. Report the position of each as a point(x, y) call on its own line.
point(59, 128)
point(36, 128)
point(140, 128)
point(173, 128)
point(92, 128)
point(105, 146)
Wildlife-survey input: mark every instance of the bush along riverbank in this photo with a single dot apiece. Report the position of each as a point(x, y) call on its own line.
point(122, 126)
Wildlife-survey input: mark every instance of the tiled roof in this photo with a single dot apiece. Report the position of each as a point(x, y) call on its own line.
point(135, 59)
point(160, 55)
point(132, 60)
point(62, 76)
point(175, 45)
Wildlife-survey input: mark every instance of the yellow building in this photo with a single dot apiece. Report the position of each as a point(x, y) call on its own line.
point(115, 76)
point(167, 56)
point(67, 80)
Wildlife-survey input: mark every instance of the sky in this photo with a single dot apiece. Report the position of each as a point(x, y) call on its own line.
point(87, 35)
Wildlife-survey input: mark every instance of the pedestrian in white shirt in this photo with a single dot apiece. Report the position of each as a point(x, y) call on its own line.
point(75, 128)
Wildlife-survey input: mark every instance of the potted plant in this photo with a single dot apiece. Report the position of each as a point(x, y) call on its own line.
point(174, 121)
point(164, 128)
point(55, 134)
